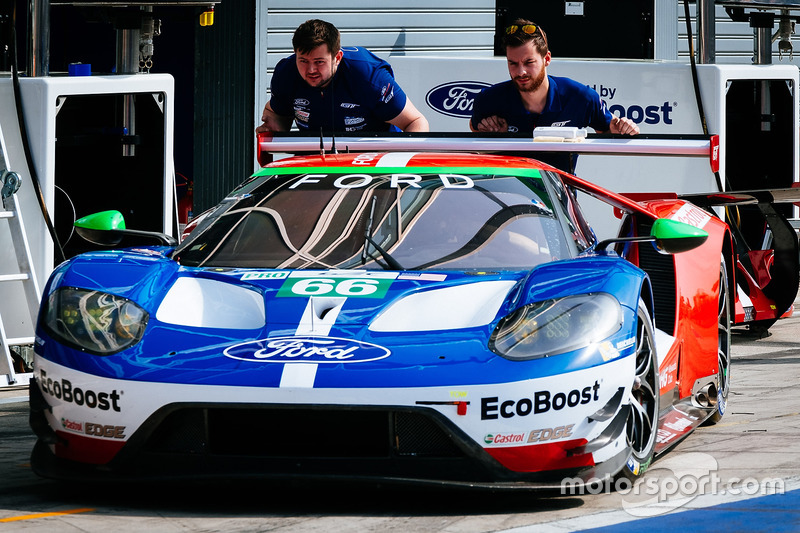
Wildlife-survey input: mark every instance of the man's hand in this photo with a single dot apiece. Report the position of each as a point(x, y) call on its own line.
point(491, 124)
point(623, 126)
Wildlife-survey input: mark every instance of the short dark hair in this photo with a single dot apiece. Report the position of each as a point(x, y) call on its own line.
point(519, 37)
point(313, 33)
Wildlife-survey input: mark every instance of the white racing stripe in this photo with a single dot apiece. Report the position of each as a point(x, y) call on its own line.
point(318, 319)
point(299, 375)
point(396, 159)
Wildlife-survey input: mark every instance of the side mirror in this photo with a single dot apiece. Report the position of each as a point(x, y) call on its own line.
point(107, 228)
point(674, 237)
point(668, 237)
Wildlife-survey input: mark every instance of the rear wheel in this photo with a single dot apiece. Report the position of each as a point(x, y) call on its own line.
point(642, 423)
point(723, 345)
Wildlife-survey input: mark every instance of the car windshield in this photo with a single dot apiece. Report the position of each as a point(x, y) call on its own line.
point(423, 220)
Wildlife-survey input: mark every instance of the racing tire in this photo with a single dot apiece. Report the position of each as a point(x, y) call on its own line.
point(723, 346)
point(642, 425)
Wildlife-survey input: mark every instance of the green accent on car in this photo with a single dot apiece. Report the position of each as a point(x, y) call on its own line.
point(665, 228)
point(104, 220)
point(472, 171)
point(673, 236)
point(357, 287)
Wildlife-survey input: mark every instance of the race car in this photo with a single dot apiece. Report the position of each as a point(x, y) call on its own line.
point(397, 317)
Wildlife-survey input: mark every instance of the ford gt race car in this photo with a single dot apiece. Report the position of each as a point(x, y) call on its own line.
point(437, 318)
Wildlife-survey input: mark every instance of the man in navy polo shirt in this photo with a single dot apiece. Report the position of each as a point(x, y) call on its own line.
point(531, 98)
point(322, 86)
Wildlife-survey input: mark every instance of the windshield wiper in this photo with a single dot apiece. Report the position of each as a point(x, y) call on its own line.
point(391, 262)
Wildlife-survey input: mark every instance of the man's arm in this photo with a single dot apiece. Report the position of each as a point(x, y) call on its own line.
point(623, 126)
point(273, 121)
point(410, 119)
point(599, 116)
point(493, 124)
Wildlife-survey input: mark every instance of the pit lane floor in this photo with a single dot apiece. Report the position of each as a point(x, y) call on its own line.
point(741, 475)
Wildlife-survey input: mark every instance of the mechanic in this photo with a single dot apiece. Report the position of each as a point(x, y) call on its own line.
point(323, 86)
point(531, 98)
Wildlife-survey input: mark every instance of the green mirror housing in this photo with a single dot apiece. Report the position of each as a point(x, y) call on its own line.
point(99, 228)
point(102, 220)
point(673, 237)
point(107, 228)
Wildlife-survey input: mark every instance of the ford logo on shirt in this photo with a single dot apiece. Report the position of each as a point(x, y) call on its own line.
point(306, 350)
point(455, 98)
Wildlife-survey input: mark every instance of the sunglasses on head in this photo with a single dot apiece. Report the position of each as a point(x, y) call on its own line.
point(530, 29)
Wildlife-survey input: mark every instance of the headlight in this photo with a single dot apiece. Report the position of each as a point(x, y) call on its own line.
point(94, 321)
point(556, 326)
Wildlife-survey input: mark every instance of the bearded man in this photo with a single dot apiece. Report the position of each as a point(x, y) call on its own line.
point(531, 98)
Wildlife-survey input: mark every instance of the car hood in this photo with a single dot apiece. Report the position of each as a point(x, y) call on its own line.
point(203, 297)
point(225, 326)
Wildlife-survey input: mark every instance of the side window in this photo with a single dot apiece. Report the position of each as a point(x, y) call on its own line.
point(576, 224)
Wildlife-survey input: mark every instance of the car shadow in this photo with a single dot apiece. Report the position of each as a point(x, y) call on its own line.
point(251, 498)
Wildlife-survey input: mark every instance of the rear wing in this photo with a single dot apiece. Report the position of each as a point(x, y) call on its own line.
point(702, 146)
point(759, 196)
point(563, 140)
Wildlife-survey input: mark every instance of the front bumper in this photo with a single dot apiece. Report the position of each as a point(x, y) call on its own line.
point(161, 431)
point(395, 446)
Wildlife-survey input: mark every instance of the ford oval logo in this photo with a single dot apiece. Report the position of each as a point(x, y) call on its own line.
point(306, 350)
point(455, 98)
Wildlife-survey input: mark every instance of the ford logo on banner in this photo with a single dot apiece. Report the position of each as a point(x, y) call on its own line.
point(306, 350)
point(455, 98)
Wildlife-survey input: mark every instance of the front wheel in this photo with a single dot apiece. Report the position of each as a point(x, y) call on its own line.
point(642, 425)
point(723, 346)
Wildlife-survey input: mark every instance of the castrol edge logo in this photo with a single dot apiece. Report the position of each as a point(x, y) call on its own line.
point(306, 350)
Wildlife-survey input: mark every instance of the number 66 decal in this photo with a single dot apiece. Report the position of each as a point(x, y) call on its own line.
point(349, 287)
